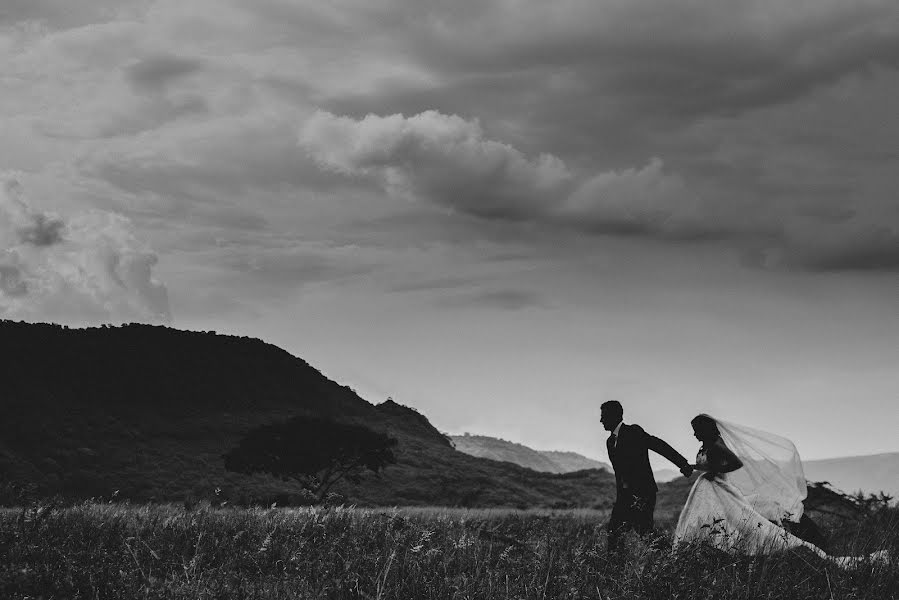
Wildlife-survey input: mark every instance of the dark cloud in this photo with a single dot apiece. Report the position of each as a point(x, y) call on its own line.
point(874, 248)
point(448, 161)
point(617, 80)
point(44, 230)
point(156, 72)
point(11, 281)
point(502, 299)
point(444, 159)
point(702, 58)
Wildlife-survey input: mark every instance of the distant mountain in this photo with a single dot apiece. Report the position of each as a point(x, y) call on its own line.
point(572, 461)
point(548, 461)
point(492, 448)
point(148, 411)
point(870, 474)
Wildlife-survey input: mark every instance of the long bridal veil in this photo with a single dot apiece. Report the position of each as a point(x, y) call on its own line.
point(771, 480)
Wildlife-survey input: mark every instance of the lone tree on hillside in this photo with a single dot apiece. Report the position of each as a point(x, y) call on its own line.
point(313, 451)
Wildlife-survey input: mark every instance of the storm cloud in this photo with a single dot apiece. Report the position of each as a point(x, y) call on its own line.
point(449, 161)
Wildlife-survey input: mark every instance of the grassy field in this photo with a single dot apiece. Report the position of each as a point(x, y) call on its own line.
point(101, 551)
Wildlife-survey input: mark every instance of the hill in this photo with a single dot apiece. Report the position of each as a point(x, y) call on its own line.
point(870, 474)
point(572, 461)
point(148, 411)
point(549, 461)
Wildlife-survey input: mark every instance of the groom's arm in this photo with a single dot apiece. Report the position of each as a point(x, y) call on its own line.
point(660, 446)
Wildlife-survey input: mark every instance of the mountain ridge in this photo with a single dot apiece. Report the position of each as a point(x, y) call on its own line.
point(549, 461)
point(147, 412)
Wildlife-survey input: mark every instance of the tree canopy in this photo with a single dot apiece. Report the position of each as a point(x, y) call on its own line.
point(313, 451)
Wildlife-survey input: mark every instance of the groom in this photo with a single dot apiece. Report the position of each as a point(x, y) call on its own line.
point(635, 485)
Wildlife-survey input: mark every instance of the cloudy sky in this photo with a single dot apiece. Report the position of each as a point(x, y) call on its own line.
point(499, 212)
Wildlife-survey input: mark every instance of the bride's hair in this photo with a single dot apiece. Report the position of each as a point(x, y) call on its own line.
point(705, 423)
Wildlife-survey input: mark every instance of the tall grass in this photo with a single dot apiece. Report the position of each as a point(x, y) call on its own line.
point(101, 551)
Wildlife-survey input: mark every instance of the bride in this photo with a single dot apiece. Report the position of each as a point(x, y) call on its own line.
point(752, 482)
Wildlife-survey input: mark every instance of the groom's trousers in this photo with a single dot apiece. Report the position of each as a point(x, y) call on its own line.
point(631, 512)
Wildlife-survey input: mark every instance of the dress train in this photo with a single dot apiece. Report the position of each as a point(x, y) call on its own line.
point(718, 514)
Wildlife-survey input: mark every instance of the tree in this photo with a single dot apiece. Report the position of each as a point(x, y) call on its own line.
point(313, 451)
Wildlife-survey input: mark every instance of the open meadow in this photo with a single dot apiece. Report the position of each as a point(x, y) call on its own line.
point(106, 551)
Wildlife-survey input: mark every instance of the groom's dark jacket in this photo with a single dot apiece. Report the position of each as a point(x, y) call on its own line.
point(630, 459)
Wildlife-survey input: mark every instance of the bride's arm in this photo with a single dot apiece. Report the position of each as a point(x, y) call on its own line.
point(722, 459)
point(732, 462)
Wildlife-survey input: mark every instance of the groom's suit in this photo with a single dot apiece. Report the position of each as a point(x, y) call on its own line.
point(635, 484)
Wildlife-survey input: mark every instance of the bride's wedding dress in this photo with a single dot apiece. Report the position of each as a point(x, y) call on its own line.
point(739, 511)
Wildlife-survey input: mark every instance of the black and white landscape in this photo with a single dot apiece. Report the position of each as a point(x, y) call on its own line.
point(264, 263)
